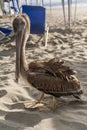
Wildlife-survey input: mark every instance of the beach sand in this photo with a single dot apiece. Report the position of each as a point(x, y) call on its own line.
point(68, 45)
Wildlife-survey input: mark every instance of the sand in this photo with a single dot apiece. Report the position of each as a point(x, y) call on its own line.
point(70, 46)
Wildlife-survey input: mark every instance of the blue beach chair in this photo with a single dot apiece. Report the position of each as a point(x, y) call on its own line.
point(6, 32)
point(37, 18)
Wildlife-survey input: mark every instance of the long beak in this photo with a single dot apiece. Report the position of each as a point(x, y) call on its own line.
point(19, 38)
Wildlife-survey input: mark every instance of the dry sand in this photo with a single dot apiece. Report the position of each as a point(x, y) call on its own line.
point(70, 46)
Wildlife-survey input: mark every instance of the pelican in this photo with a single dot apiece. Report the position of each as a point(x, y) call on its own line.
point(49, 77)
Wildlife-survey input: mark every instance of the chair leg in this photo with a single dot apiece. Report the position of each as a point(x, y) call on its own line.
point(46, 35)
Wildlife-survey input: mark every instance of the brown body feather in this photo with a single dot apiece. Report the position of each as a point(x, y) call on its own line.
point(53, 78)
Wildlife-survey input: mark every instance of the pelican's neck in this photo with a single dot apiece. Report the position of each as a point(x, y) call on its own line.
point(23, 62)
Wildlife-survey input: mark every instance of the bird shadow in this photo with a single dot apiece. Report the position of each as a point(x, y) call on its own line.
point(31, 117)
point(23, 118)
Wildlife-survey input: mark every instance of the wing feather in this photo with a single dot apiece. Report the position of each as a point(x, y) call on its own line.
point(53, 67)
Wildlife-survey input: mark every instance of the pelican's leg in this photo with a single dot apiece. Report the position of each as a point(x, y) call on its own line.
point(54, 103)
point(41, 97)
point(35, 104)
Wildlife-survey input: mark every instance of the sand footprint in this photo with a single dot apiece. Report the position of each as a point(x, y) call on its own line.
point(3, 93)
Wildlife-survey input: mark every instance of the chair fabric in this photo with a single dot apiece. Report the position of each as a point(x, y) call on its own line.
point(37, 18)
point(5, 34)
point(6, 31)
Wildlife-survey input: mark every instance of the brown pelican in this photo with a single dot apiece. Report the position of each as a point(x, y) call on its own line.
point(50, 77)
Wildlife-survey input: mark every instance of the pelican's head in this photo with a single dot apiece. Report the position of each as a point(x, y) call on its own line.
point(21, 26)
point(20, 22)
